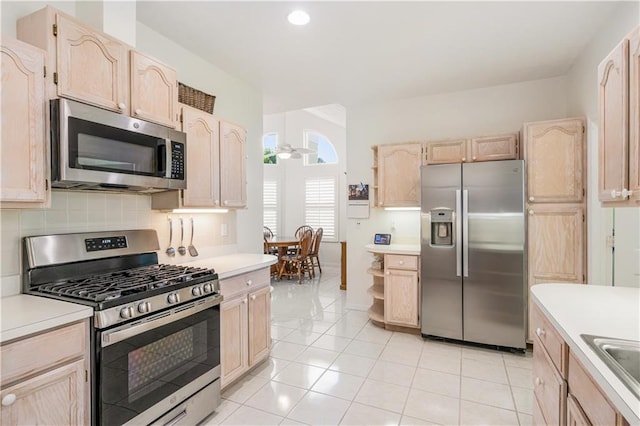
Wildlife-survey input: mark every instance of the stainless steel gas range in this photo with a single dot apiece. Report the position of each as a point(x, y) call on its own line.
point(155, 336)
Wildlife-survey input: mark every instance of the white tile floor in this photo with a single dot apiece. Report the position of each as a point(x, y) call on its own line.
point(330, 366)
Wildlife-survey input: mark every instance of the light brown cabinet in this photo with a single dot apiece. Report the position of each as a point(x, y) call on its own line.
point(555, 157)
point(45, 378)
point(564, 392)
point(619, 124)
point(154, 90)
point(556, 246)
point(215, 166)
point(399, 174)
point(233, 176)
point(395, 291)
point(84, 64)
point(401, 293)
point(245, 321)
point(92, 67)
point(23, 152)
point(486, 148)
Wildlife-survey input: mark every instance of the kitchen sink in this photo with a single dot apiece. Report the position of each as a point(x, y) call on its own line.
point(621, 356)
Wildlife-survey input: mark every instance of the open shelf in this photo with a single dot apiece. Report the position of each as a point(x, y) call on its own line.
point(376, 272)
point(376, 291)
point(376, 313)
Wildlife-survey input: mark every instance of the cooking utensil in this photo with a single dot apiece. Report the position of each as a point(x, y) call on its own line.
point(182, 249)
point(192, 249)
point(170, 250)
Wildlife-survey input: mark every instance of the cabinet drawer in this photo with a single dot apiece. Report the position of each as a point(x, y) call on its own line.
point(41, 352)
point(230, 287)
point(549, 388)
point(593, 402)
point(551, 340)
point(395, 261)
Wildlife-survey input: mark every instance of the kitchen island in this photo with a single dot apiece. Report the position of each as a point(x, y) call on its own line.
point(572, 311)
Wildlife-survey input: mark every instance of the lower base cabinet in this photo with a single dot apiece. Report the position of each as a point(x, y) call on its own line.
point(245, 318)
point(45, 378)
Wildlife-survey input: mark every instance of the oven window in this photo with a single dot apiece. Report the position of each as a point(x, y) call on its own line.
point(142, 370)
point(95, 146)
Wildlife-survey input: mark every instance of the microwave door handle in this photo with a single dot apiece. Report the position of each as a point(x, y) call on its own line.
point(168, 156)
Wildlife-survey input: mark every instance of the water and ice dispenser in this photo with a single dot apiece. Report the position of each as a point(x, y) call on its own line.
point(442, 227)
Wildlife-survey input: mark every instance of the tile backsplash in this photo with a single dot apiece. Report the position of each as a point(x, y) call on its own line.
point(76, 211)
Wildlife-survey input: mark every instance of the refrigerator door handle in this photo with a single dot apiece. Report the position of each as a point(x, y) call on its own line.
point(458, 233)
point(465, 233)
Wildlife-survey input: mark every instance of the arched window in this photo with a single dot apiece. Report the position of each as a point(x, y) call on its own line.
point(323, 150)
point(269, 145)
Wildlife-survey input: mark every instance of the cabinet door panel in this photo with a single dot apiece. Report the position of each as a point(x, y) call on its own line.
point(634, 114)
point(401, 297)
point(92, 67)
point(233, 338)
point(233, 185)
point(399, 174)
point(259, 324)
point(202, 158)
point(490, 148)
point(549, 389)
point(23, 151)
point(613, 80)
point(575, 415)
point(447, 152)
point(53, 398)
point(555, 153)
point(154, 91)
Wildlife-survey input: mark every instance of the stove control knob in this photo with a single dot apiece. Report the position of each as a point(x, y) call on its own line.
point(144, 307)
point(196, 291)
point(127, 312)
point(207, 288)
point(173, 298)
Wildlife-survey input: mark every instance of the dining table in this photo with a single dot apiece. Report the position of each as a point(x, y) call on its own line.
point(281, 243)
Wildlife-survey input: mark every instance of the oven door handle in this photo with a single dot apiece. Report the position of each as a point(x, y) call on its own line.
point(125, 332)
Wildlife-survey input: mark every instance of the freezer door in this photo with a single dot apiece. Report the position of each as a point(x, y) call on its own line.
point(494, 296)
point(441, 266)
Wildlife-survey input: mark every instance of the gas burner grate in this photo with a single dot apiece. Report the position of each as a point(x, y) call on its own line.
point(112, 285)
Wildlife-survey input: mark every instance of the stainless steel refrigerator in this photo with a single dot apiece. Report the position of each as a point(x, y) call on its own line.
point(473, 252)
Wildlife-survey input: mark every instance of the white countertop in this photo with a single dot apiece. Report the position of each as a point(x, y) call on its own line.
point(22, 315)
point(597, 310)
point(235, 264)
point(411, 249)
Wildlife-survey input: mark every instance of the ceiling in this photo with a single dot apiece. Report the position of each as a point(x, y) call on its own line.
point(359, 52)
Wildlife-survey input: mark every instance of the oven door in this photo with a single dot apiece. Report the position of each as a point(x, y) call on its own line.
point(147, 367)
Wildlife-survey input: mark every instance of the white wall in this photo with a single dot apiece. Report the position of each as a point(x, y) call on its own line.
point(88, 211)
point(292, 173)
point(582, 90)
point(486, 111)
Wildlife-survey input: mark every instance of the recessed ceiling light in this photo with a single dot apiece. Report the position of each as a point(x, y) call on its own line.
point(298, 17)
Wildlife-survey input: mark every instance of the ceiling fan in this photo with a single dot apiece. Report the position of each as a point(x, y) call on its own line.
point(287, 151)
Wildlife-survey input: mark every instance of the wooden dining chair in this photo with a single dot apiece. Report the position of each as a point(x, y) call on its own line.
point(297, 263)
point(266, 232)
point(301, 229)
point(314, 250)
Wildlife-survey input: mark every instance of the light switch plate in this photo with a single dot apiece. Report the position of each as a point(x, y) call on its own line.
point(224, 230)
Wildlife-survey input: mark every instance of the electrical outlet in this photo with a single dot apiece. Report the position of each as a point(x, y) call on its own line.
point(224, 230)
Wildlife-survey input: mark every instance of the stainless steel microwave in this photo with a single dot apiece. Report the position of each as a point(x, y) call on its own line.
point(92, 148)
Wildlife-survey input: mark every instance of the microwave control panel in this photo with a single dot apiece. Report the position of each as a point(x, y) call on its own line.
point(177, 160)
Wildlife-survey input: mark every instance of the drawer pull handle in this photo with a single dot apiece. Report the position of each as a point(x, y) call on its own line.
point(9, 399)
point(244, 301)
point(253, 297)
point(539, 381)
point(540, 332)
point(249, 282)
point(122, 105)
point(401, 262)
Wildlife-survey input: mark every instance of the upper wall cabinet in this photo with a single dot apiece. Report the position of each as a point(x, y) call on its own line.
point(85, 64)
point(233, 176)
point(399, 174)
point(555, 155)
point(92, 67)
point(23, 151)
point(215, 164)
point(619, 124)
point(154, 93)
point(486, 148)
